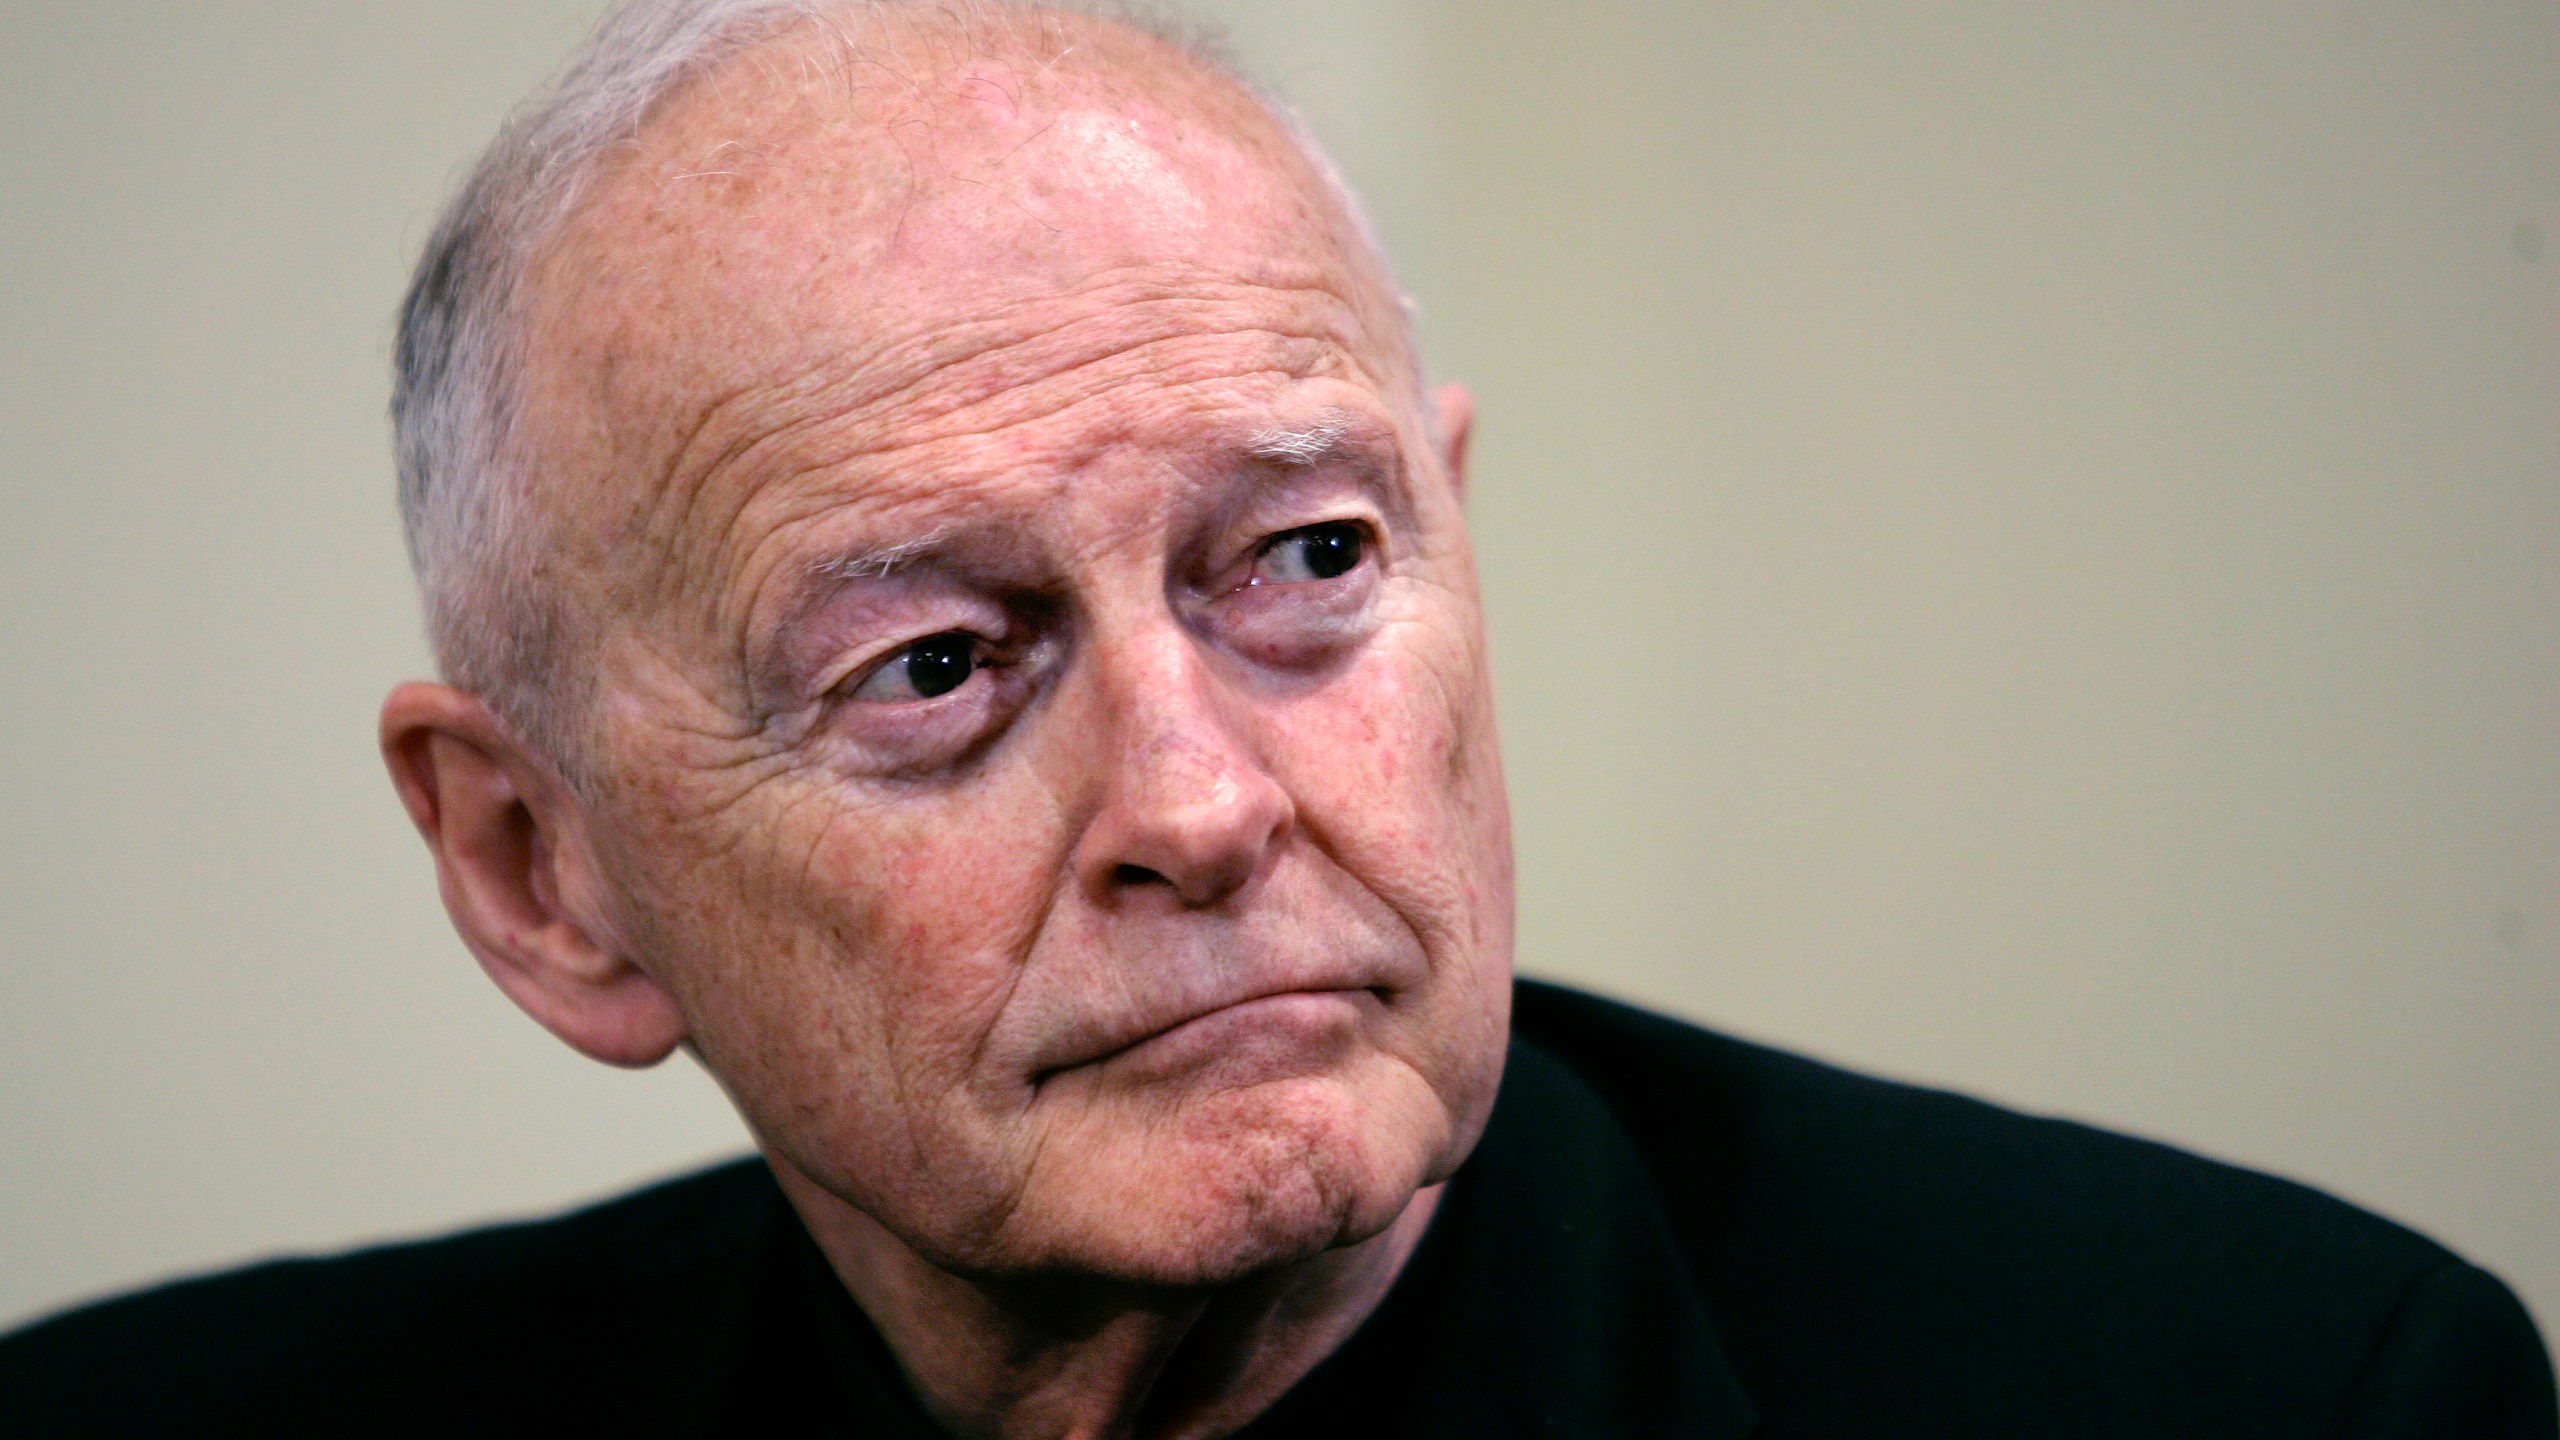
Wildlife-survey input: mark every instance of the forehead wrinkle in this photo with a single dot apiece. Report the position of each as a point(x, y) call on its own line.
point(685, 503)
point(969, 365)
point(1161, 364)
point(682, 501)
point(939, 369)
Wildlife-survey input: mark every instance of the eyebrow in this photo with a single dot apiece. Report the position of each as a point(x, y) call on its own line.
point(822, 577)
point(1312, 446)
point(874, 562)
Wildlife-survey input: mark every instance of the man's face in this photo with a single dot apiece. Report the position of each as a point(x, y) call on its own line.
point(1043, 733)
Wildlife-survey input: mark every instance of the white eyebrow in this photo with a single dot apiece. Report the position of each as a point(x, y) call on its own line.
point(874, 563)
point(1299, 447)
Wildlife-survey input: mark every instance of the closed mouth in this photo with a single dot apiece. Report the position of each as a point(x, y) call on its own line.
point(1217, 1016)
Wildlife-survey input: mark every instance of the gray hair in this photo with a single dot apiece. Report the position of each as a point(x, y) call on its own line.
point(496, 628)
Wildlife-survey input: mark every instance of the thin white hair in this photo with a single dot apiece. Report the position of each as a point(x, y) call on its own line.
point(1299, 447)
point(493, 614)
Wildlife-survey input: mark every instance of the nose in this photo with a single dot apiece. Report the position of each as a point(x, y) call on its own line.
point(1189, 814)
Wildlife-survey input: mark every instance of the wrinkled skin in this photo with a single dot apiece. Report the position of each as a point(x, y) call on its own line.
point(1168, 945)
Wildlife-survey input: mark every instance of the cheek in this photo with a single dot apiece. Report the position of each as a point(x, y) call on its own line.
point(831, 945)
point(1395, 772)
point(954, 891)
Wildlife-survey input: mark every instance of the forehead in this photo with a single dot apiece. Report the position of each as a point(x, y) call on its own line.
point(899, 215)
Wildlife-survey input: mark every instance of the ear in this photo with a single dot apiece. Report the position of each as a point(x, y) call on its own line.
point(1453, 416)
point(518, 875)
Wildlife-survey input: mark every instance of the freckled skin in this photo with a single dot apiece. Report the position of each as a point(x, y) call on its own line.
point(1027, 323)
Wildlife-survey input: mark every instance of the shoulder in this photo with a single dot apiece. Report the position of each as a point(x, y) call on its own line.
point(1862, 1242)
point(411, 1335)
point(1735, 1126)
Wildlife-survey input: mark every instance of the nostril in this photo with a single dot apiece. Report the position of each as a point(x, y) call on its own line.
point(1129, 875)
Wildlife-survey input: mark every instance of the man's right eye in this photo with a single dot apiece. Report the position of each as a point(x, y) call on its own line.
point(929, 668)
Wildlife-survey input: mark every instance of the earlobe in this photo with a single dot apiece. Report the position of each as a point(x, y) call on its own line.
point(517, 877)
point(1453, 413)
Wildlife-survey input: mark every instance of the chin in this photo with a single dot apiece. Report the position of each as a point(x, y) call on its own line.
point(1238, 1182)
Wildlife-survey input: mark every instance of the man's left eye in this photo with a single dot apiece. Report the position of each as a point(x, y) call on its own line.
point(1317, 552)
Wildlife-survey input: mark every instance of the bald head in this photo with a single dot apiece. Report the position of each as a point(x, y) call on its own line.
point(717, 198)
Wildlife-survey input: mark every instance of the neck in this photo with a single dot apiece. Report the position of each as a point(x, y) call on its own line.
point(1097, 1360)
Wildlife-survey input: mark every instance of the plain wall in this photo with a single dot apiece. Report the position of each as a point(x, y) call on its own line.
point(2023, 545)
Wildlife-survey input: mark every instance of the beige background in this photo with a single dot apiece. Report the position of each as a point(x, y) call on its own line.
point(2024, 544)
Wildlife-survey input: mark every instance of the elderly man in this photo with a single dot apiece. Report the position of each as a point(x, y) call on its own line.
point(955, 609)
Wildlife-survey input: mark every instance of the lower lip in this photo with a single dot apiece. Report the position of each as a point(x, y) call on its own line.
point(1275, 1036)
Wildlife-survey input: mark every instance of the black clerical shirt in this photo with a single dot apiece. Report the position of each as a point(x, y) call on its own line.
point(1663, 1233)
